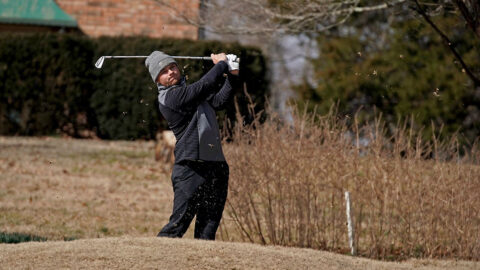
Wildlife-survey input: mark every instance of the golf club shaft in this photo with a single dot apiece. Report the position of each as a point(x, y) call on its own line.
point(100, 60)
point(176, 57)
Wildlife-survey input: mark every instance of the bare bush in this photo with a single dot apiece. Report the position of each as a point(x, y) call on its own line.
point(411, 198)
point(164, 149)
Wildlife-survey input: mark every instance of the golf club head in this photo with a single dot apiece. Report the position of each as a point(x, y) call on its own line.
point(99, 62)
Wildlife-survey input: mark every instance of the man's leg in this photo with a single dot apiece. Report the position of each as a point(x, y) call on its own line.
point(185, 203)
point(212, 198)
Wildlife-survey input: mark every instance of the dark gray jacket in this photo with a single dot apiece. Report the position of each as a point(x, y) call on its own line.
point(190, 113)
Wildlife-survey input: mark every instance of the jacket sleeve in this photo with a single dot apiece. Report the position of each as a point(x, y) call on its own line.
point(183, 97)
point(221, 98)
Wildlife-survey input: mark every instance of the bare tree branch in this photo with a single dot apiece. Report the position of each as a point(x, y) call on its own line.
point(420, 9)
point(267, 17)
point(261, 17)
point(471, 15)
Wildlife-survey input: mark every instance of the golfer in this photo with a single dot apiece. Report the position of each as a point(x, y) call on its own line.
point(200, 173)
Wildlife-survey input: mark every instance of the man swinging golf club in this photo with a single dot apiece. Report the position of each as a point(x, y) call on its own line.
point(200, 173)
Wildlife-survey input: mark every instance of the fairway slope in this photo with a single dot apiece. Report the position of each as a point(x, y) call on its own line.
point(164, 253)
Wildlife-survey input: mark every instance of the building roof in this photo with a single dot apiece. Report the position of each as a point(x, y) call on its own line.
point(34, 12)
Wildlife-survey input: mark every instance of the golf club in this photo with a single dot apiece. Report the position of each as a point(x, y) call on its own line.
point(100, 60)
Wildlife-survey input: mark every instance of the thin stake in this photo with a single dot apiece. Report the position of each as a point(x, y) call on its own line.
point(351, 231)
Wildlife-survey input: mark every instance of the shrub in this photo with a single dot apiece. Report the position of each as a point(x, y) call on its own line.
point(48, 83)
point(15, 238)
point(45, 83)
point(411, 198)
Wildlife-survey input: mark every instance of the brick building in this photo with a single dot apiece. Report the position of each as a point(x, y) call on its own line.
point(34, 16)
point(131, 17)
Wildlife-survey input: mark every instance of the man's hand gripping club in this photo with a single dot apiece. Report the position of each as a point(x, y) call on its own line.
point(232, 60)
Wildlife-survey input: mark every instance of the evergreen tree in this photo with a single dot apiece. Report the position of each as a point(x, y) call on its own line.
point(412, 74)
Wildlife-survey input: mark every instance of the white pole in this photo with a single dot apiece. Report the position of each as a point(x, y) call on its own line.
point(351, 231)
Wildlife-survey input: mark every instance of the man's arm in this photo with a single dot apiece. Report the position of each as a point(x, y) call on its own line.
point(221, 98)
point(180, 97)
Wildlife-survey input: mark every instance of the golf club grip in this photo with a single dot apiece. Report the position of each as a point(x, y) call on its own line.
point(193, 57)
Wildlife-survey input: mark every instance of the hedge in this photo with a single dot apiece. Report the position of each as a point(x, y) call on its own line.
point(49, 85)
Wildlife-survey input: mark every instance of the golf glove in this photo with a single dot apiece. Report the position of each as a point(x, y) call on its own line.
point(233, 62)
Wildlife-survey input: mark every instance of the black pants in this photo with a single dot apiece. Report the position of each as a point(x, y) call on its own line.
point(200, 188)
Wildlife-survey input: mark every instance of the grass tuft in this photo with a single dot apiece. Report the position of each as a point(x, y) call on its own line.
point(15, 238)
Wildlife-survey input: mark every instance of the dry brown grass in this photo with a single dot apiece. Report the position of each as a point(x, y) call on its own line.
point(286, 188)
point(63, 188)
point(410, 198)
point(164, 253)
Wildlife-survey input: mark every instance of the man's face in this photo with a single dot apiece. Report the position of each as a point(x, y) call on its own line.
point(170, 75)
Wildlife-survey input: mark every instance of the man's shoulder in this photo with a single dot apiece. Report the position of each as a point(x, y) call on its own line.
point(162, 96)
point(167, 92)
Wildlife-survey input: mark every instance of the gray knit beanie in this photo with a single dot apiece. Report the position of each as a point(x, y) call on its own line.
point(156, 61)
